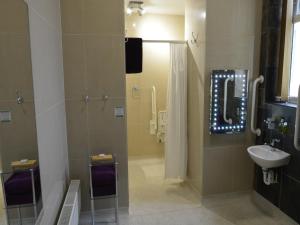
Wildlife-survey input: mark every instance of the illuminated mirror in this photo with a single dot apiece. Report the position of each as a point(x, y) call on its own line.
point(229, 92)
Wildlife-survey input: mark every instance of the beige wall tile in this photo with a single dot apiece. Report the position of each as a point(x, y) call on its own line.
point(99, 63)
point(18, 137)
point(156, 71)
point(134, 109)
point(218, 171)
point(196, 86)
point(155, 26)
point(103, 17)
point(16, 21)
point(116, 84)
point(195, 124)
point(228, 42)
point(105, 66)
point(77, 129)
point(135, 142)
point(227, 170)
point(97, 28)
point(72, 16)
point(195, 22)
point(243, 170)
point(74, 66)
point(16, 67)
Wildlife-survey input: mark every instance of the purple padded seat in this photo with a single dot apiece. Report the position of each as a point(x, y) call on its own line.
point(103, 180)
point(18, 187)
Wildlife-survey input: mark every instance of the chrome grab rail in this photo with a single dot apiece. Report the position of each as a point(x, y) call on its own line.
point(296, 135)
point(254, 130)
point(229, 120)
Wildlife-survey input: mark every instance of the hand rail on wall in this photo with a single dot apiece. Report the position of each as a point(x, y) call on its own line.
point(254, 130)
point(229, 120)
point(296, 135)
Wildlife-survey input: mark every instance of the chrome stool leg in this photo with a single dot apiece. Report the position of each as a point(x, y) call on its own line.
point(92, 196)
point(93, 211)
point(116, 195)
point(33, 195)
point(116, 210)
point(7, 216)
point(20, 216)
point(4, 199)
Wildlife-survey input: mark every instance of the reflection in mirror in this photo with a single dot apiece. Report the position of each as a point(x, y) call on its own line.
point(229, 89)
point(19, 204)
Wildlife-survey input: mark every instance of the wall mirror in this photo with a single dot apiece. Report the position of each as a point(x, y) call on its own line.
point(20, 194)
point(229, 91)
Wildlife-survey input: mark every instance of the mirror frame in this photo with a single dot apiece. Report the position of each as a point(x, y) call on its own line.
point(218, 76)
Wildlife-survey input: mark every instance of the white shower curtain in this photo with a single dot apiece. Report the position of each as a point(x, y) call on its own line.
point(176, 136)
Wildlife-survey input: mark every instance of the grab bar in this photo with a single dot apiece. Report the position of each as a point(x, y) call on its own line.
point(229, 120)
point(260, 80)
point(296, 135)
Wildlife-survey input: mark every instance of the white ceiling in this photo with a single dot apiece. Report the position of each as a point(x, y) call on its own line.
point(169, 7)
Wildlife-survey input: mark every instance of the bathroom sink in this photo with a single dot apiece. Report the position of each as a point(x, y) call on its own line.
point(268, 157)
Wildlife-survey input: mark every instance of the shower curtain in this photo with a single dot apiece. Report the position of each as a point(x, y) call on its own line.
point(176, 136)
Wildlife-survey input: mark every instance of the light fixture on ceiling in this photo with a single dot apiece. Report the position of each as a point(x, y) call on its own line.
point(129, 11)
point(135, 7)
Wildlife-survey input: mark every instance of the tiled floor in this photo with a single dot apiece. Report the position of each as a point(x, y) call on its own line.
point(154, 201)
point(15, 220)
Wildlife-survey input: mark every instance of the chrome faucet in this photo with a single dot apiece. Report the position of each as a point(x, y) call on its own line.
point(273, 141)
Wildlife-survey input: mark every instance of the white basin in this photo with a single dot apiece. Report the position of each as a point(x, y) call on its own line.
point(268, 157)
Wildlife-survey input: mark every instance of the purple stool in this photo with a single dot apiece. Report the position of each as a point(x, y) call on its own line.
point(18, 189)
point(103, 184)
point(103, 180)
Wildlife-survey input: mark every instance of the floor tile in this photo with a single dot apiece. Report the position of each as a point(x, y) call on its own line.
point(155, 201)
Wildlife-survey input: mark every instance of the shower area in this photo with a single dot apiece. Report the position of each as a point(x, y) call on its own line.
point(156, 103)
point(147, 102)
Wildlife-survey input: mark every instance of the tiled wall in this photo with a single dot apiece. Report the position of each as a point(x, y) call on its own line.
point(231, 40)
point(196, 66)
point(218, 163)
point(284, 194)
point(227, 43)
point(18, 137)
point(94, 65)
point(155, 26)
point(49, 96)
point(156, 70)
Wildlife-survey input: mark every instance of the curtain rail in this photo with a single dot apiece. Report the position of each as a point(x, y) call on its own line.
point(165, 41)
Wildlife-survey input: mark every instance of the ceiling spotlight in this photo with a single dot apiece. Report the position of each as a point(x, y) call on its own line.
point(135, 7)
point(141, 11)
point(129, 11)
